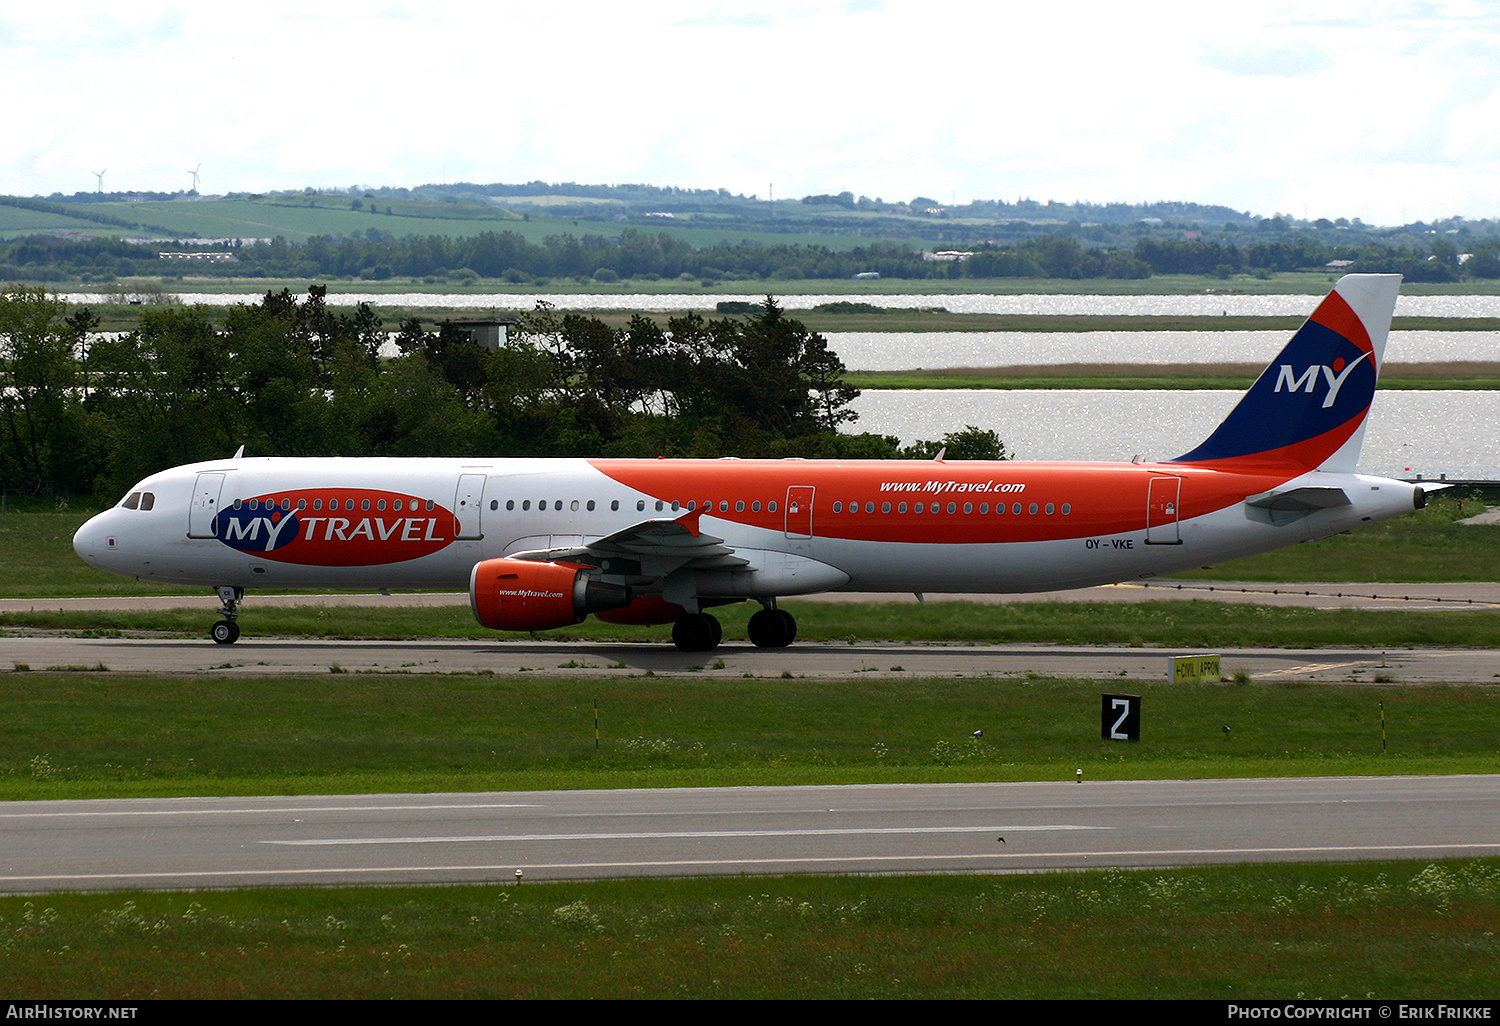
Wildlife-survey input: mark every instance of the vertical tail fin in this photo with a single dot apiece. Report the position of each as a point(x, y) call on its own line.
point(1307, 409)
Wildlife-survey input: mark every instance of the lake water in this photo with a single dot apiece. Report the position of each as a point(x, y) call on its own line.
point(879, 350)
point(1433, 432)
point(1429, 433)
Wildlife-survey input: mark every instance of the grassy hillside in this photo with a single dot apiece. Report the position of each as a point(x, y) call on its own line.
point(299, 216)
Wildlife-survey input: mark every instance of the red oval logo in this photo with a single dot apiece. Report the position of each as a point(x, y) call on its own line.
point(335, 526)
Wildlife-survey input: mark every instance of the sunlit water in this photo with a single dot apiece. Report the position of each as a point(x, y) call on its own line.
point(1431, 433)
point(876, 350)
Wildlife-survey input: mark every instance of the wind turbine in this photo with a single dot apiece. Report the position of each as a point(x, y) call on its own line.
point(99, 175)
point(194, 173)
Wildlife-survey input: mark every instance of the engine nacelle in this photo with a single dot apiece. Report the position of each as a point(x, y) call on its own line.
point(519, 595)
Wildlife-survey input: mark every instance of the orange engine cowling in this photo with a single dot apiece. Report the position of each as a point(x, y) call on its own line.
point(519, 595)
point(644, 612)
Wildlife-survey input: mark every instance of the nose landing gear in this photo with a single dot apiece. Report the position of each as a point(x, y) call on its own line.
point(227, 630)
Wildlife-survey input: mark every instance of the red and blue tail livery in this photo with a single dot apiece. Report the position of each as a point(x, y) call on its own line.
point(1310, 404)
point(544, 543)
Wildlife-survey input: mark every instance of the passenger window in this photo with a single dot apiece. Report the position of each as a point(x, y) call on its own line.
point(526, 504)
point(1031, 509)
point(510, 504)
point(494, 504)
point(380, 506)
point(1067, 508)
point(1050, 507)
point(1016, 509)
point(755, 506)
point(591, 505)
point(739, 507)
point(614, 505)
point(919, 507)
point(573, 505)
point(901, 508)
point(968, 507)
point(885, 507)
point(984, 507)
point(771, 507)
point(838, 507)
point(302, 504)
point(723, 505)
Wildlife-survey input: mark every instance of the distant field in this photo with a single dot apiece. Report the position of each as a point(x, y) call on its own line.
point(334, 215)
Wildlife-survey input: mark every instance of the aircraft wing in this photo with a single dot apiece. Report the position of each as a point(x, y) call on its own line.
point(651, 548)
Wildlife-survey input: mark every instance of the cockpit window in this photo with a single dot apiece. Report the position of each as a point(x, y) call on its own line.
point(148, 500)
point(132, 501)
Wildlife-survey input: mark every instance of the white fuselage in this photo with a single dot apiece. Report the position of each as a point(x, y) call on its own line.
point(795, 526)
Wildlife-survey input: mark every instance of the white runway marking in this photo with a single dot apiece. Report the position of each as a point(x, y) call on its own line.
point(646, 835)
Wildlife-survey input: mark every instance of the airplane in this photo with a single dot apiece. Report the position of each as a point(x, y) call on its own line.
point(542, 543)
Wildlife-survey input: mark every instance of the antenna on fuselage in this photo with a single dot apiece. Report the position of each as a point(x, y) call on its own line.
point(238, 453)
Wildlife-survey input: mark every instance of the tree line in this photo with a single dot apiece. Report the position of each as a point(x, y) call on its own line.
point(83, 412)
point(641, 255)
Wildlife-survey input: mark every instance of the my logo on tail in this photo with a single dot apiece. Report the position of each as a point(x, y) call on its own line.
point(1336, 375)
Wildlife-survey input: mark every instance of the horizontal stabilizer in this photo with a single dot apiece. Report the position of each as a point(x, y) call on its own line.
point(1300, 500)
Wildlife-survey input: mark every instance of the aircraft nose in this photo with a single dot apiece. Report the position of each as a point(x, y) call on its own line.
point(93, 541)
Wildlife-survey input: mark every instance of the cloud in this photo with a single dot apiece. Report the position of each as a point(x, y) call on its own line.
point(1293, 59)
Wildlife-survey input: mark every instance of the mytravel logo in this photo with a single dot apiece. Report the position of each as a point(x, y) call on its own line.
point(1335, 375)
point(335, 526)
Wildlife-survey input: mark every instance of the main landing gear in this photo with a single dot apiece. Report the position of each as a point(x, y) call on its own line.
point(701, 632)
point(227, 630)
point(772, 628)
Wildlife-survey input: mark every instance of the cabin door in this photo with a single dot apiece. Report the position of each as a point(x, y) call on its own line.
point(205, 506)
point(1162, 504)
point(799, 511)
point(468, 503)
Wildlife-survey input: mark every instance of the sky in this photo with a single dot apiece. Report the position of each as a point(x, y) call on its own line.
point(1385, 111)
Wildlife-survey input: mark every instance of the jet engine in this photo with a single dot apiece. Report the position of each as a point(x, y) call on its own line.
point(519, 595)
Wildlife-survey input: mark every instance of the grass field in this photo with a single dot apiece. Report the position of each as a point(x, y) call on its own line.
point(1373, 931)
point(1360, 931)
point(103, 735)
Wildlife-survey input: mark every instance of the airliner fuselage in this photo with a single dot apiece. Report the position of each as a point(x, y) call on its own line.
point(543, 543)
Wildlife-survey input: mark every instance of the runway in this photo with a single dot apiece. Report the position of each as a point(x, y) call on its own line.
point(388, 839)
point(901, 828)
point(271, 656)
point(253, 656)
